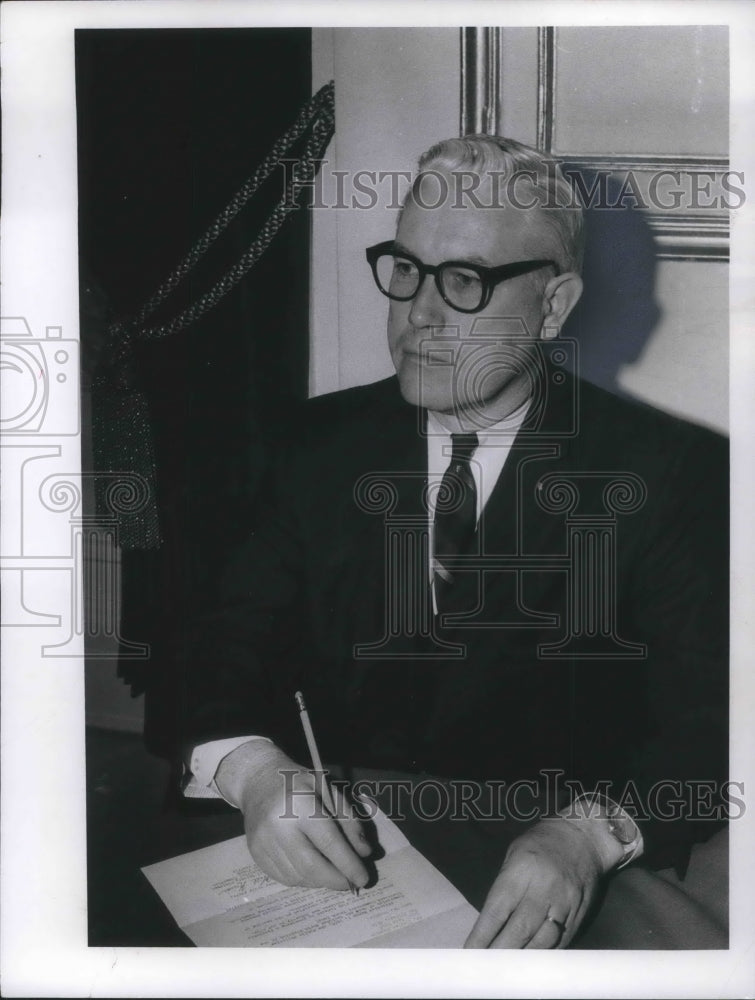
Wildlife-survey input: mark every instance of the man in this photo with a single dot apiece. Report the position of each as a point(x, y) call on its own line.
point(565, 604)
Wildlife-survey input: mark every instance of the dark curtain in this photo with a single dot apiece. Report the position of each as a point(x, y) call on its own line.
point(170, 124)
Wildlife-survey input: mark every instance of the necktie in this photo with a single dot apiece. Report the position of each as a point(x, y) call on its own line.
point(455, 519)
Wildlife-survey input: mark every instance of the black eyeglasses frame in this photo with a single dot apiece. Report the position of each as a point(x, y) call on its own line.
point(489, 276)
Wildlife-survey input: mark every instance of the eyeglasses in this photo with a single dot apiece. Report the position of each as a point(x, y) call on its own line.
point(463, 286)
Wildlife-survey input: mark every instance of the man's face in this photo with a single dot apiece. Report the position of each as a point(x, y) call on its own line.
point(455, 362)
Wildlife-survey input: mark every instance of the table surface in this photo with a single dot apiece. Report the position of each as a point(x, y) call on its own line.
point(133, 820)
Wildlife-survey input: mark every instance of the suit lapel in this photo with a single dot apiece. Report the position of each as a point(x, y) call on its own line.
point(513, 524)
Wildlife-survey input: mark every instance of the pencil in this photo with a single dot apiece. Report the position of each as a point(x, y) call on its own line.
point(314, 753)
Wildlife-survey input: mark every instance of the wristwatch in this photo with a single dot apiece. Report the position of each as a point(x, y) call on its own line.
point(618, 822)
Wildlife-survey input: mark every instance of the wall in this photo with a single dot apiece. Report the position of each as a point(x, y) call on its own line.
point(684, 367)
point(397, 92)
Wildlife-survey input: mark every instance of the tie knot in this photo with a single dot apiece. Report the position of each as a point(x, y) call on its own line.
point(463, 447)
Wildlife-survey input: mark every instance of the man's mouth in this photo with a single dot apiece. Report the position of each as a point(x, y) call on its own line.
point(416, 357)
point(432, 354)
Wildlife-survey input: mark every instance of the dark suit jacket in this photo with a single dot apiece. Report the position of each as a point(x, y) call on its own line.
point(599, 647)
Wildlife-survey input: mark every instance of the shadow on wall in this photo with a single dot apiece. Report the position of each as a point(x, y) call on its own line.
point(617, 313)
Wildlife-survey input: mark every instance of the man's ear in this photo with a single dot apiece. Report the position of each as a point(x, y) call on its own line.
point(560, 296)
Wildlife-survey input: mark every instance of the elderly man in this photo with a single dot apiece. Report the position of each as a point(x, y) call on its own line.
point(562, 605)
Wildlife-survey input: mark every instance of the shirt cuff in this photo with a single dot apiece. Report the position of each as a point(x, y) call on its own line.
point(205, 761)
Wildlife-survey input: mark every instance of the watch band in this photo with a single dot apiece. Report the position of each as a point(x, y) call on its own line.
point(621, 826)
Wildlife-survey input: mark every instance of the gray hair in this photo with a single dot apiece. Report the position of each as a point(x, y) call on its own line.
point(557, 200)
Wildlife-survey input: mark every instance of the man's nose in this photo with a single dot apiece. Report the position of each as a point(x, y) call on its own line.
point(428, 307)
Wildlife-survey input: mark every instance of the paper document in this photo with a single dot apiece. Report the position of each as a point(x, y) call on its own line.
point(219, 897)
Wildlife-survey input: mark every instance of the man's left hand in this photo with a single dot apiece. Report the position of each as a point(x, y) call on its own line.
point(544, 889)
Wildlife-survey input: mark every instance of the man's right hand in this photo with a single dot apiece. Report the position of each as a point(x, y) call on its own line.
point(290, 836)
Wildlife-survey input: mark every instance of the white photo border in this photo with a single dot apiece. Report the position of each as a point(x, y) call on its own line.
point(44, 930)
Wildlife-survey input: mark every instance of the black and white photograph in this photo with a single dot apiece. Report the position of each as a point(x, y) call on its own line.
point(376, 562)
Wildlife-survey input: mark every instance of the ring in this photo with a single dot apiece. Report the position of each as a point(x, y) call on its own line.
point(560, 924)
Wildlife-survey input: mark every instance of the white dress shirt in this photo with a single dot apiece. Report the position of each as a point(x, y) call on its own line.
point(487, 462)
